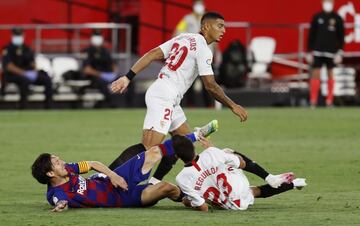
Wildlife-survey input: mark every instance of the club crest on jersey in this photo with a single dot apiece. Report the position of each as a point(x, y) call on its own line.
point(82, 185)
point(162, 123)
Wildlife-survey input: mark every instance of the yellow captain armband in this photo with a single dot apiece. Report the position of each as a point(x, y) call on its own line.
point(84, 167)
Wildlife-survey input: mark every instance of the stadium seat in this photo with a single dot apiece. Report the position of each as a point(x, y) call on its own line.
point(262, 50)
point(43, 63)
point(345, 84)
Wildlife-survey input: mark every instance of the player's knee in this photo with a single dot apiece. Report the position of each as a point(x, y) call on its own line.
point(153, 154)
point(242, 163)
point(167, 188)
point(241, 159)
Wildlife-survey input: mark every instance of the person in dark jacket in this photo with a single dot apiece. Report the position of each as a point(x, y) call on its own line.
point(19, 67)
point(98, 65)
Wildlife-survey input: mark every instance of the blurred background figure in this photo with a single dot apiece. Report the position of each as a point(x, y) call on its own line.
point(190, 23)
point(98, 66)
point(326, 41)
point(19, 68)
point(233, 68)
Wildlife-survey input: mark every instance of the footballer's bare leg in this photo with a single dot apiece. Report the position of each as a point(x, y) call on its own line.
point(151, 138)
point(182, 130)
point(152, 156)
point(154, 193)
point(167, 162)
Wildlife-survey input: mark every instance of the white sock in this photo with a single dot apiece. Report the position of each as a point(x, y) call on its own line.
point(154, 181)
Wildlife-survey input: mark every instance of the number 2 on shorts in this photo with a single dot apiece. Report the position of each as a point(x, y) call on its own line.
point(167, 114)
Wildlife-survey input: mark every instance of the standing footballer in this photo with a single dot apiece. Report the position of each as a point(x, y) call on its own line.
point(186, 56)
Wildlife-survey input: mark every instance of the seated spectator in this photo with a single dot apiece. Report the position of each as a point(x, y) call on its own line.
point(98, 66)
point(19, 68)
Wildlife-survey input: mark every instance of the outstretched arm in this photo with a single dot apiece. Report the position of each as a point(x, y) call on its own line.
point(122, 83)
point(218, 93)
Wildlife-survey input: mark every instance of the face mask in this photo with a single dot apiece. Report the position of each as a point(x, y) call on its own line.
point(97, 40)
point(328, 6)
point(17, 40)
point(199, 8)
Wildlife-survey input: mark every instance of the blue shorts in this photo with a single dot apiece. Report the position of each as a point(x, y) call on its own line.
point(131, 172)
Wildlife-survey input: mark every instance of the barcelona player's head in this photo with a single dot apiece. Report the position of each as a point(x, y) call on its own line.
point(183, 148)
point(41, 167)
point(48, 166)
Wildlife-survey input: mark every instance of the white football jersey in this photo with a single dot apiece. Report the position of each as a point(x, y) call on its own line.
point(214, 178)
point(186, 56)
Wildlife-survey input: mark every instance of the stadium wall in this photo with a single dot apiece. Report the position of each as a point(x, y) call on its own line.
point(264, 12)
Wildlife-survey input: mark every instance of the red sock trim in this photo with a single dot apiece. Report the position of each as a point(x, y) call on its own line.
point(330, 96)
point(314, 90)
point(163, 149)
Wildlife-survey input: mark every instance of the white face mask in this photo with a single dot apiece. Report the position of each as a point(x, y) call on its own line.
point(17, 40)
point(97, 40)
point(328, 6)
point(199, 8)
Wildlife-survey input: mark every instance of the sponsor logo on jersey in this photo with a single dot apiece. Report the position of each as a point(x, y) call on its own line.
point(209, 61)
point(82, 186)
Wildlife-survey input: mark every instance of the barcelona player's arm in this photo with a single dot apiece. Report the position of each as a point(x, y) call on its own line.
point(60, 206)
point(115, 179)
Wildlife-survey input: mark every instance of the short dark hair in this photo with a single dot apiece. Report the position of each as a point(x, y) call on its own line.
point(183, 148)
point(40, 167)
point(17, 31)
point(211, 15)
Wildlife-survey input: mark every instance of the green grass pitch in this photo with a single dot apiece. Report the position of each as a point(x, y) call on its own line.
point(322, 145)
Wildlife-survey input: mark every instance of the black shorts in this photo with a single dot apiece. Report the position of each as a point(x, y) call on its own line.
point(320, 61)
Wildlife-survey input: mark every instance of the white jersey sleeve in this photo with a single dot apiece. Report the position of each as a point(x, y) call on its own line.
point(194, 196)
point(166, 47)
point(224, 157)
point(204, 58)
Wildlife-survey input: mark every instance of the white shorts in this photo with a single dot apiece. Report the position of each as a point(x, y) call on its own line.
point(241, 192)
point(164, 113)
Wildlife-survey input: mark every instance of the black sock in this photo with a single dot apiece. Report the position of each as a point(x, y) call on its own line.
point(268, 191)
point(165, 166)
point(253, 167)
point(127, 154)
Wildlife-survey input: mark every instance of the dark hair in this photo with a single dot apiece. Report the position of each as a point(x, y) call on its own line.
point(17, 31)
point(40, 167)
point(183, 148)
point(211, 15)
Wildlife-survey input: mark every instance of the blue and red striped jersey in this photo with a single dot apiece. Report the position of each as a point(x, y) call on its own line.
point(81, 192)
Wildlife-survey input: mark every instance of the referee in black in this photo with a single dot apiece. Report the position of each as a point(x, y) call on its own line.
point(326, 42)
